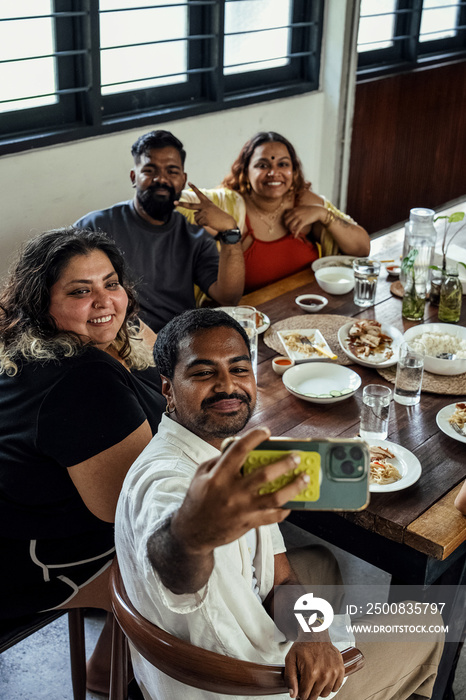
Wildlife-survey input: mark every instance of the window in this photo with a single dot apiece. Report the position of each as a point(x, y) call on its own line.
point(73, 69)
point(401, 34)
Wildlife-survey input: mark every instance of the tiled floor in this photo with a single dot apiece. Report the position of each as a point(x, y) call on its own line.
point(38, 668)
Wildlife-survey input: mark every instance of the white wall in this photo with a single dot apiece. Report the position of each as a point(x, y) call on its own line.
point(51, 187)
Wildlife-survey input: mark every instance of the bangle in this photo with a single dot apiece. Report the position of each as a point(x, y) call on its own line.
point(329, 219)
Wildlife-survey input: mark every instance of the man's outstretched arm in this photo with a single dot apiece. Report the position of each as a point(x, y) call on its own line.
point(220, 506)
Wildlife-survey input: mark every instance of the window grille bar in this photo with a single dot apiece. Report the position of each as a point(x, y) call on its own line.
point(407, 11)
point(403, 37)
point(270, 29)
point(193, 3)
point(190, 71)
point(50, 15)
point(274, 58)
point(57, 54)
point(65, 91)
point(198, 37)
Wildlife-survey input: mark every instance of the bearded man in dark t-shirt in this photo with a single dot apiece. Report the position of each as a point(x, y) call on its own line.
point(166, 254)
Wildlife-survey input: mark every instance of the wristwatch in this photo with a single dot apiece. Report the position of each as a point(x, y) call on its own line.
point(231, 236)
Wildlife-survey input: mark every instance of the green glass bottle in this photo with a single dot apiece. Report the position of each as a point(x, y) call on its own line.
point(451, 295)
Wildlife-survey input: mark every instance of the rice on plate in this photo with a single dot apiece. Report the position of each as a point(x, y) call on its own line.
point(437, 339)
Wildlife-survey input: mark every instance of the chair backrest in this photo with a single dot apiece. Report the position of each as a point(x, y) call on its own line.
point(199, 667)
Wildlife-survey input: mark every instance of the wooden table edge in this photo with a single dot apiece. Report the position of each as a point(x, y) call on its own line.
point(440, 530)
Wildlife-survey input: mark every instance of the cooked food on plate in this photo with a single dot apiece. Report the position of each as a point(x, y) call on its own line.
point(382, 471)
point(365, 339)
point(305, 345)
point(458, 418)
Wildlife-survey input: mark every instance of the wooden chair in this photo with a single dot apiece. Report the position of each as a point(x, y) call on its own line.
point(14, 631)
point(185, 662)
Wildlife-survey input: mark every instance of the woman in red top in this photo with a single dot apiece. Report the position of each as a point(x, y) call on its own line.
point(284, 218)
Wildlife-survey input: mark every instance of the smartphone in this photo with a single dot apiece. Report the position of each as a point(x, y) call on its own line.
point(338, 468)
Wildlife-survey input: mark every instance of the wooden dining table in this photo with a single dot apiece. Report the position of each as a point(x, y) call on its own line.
point(415, 534)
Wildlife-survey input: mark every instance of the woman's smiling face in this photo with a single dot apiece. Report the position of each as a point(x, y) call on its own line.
point(89, 300)
point(270, 170)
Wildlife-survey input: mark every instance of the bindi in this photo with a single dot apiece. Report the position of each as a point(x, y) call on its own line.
point(273, 157)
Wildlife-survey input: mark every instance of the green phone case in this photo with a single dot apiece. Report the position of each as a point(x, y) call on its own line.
point(338, 470)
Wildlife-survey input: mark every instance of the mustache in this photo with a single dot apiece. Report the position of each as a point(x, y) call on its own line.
point(223, 396)
point(153, 188)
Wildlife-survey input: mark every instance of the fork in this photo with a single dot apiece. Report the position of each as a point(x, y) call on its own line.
point(322, 351)
point(457, 429)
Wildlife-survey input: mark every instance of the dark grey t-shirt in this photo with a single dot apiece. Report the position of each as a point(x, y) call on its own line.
point(165, 261)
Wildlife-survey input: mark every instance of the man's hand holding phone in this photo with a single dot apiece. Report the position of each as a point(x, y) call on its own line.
point(222, 504)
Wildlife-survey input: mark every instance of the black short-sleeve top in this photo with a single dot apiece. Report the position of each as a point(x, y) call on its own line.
point(54, 415)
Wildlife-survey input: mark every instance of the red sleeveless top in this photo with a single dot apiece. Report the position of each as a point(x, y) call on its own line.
point(269, 261)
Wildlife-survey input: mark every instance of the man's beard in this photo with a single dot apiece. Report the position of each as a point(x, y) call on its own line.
point(206, 426)
point(158, 206)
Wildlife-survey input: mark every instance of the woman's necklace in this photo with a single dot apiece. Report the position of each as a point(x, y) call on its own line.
point(269, 219)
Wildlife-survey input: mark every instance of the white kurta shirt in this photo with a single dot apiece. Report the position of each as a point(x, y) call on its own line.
point(226, 615)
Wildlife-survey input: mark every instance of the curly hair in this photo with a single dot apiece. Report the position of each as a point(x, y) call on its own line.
point(28, 331)
point(238, 178)
point(168, 341)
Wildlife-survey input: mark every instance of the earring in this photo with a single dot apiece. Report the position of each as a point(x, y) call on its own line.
point(167, 410)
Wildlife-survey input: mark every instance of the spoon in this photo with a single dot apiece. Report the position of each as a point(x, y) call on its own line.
point(446, 356)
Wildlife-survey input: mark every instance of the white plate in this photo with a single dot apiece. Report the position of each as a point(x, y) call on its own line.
point(334, 261)
point(407, 464)
point(315, 382)
point(265, 323)
point(314, 335)
point(372, 360)
point(442, 421)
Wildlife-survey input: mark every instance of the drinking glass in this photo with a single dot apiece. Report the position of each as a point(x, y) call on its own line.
point(375, 412)
point(409, 371)
point(366, 273)
point(246, 317)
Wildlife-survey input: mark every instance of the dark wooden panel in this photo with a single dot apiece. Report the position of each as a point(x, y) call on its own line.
point(408, 144)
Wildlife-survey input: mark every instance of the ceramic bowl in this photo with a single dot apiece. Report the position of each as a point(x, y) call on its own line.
point(335, 280)
point(311, 302)
point(281, 364)
point(321, 382)
point(433, 364)
point(393, 270)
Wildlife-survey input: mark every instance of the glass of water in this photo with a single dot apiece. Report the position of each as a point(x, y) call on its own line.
point(366, 274)
point(409, 371)
point(375, 412)
point(246, 317)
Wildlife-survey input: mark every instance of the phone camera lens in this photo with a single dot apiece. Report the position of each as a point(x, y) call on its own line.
point(340, 452)
point(356, 453)
point(347, 467)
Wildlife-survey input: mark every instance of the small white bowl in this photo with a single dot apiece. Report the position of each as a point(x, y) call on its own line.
point(335, 280)
point(393, 270)
point(281, 364)
point(437, 365)
point(311, 302)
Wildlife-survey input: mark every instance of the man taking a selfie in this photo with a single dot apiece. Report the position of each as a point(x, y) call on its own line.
point(199, 546)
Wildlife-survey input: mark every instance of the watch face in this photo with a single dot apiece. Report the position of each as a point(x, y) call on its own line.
point(231, 236)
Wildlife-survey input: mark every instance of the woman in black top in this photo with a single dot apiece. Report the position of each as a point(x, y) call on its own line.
point(79, 401)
